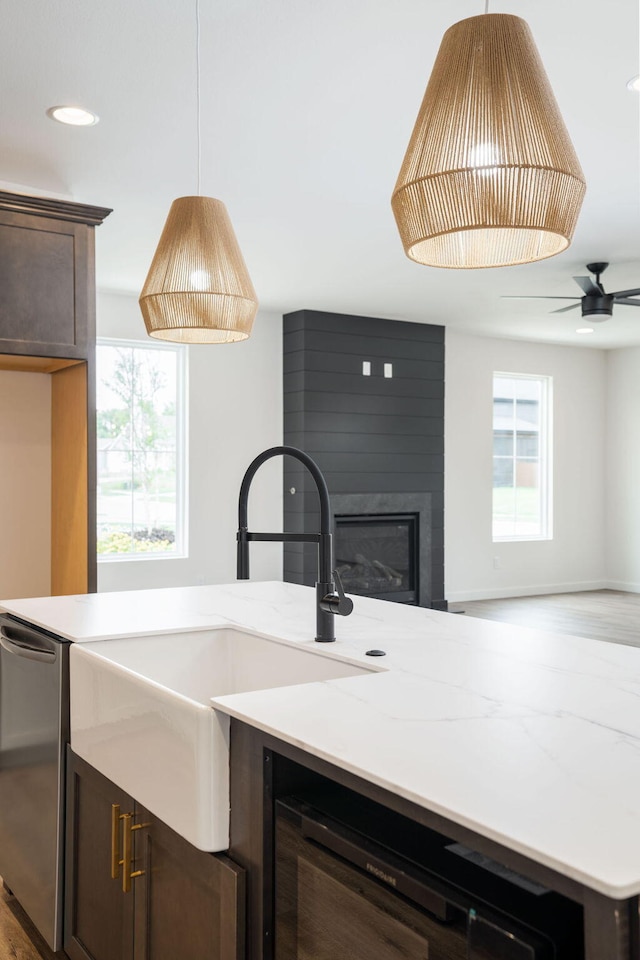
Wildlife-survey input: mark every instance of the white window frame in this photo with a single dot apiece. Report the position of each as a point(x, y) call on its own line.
point(182, 481)
point(545, 457)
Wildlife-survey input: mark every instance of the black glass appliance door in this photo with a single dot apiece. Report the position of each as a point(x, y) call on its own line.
point(327, 909)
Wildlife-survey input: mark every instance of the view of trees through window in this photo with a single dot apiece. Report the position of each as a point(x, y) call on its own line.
point(140, 438)
point(521, 487)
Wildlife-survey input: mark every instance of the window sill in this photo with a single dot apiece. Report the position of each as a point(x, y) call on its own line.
point(137, 557)
point(521, 539)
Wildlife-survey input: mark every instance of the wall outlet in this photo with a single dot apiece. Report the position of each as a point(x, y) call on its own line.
point(497, 563)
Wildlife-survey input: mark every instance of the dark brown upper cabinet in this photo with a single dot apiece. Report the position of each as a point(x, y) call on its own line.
point(47, 284)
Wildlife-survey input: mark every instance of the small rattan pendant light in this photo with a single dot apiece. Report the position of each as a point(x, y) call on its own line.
point(198, 289)
point(490, 177)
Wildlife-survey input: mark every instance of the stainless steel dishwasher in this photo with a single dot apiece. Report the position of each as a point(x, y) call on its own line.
point(34, 730)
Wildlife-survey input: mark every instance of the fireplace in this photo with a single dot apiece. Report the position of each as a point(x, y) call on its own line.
point(364, 397)
point(378, 556)
point(383, 545)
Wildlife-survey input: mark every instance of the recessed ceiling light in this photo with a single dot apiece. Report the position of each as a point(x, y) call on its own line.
point(634, 84)
point(584, 329)
point(75, 116)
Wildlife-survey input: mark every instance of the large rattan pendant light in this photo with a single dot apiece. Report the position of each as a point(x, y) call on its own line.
point(198, 289)
point(490, 177)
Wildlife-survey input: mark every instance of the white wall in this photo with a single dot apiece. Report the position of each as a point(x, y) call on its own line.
point(25, 484)
point(235, 412)
point(622, 454)
point(235, 398)
point(575, 558)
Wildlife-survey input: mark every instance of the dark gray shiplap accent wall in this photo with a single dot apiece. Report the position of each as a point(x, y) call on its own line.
point(367, 434)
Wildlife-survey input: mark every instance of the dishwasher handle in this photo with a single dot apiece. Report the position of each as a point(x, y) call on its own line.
point(379, 863)
point(28, 644)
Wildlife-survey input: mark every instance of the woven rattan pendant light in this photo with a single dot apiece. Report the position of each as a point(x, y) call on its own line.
point(198, 289)
point(490, 177)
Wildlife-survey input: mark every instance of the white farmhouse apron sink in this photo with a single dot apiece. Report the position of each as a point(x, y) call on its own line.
point(140, 714)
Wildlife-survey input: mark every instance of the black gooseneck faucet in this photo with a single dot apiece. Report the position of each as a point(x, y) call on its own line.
point(328, 603)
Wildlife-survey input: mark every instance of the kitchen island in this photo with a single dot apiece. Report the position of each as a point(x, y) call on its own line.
point(523, 745)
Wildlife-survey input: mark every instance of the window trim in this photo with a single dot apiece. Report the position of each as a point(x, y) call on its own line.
point(545, 457)
point(182, 449)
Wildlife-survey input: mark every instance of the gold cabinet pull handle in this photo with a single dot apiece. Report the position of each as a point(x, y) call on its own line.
point(115, 841)
point(127, 850)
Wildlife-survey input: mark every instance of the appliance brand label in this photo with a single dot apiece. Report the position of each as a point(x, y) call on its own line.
point(381, 875)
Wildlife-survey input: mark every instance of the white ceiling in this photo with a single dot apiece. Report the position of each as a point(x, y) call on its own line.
point(307, 107)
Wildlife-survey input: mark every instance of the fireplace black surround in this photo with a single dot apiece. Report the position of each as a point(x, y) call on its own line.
point(365, 398)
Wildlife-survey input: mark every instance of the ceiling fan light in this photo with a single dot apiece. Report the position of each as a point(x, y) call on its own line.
point(598, 308)
point(198, 288)
point(490, 177)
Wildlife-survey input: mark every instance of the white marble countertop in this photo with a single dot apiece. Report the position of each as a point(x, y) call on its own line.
point(127, 613)
point(529, 738)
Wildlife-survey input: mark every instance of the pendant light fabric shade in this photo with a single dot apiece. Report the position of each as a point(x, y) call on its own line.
point(198, 288)
point(490, 177)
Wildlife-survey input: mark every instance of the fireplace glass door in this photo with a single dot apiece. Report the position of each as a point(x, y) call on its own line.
point(377, 556)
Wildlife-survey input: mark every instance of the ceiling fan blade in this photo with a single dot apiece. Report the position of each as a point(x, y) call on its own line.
point(627, 302)
point(626, 293)
point(540, 298)
point(564, 309)
point(590, 288)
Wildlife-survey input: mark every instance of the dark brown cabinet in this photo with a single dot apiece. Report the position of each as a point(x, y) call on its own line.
point(98, 915)
point(47, 286)
point(135, 890)
point(47, 326)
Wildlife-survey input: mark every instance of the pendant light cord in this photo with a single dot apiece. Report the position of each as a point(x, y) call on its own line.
point(198, 93)
point(486, 6)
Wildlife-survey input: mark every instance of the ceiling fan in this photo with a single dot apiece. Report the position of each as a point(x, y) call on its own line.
point(596, 303)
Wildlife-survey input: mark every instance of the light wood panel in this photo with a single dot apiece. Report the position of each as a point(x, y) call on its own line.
point(25, 484)
point(69, 488)
point(25, 364)
point(601, 614)
point(19, 939)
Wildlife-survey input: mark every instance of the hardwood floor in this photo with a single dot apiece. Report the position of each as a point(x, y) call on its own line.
point(602, 614)
point(19, 939)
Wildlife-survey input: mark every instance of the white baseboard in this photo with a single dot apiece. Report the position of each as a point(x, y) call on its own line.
point(622, 585)
point(460, 596)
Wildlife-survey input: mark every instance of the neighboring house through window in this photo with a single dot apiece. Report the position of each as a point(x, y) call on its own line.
point(141, 450)
point(521, 457)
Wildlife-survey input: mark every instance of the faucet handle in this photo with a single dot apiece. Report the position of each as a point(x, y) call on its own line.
point(344, 605)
